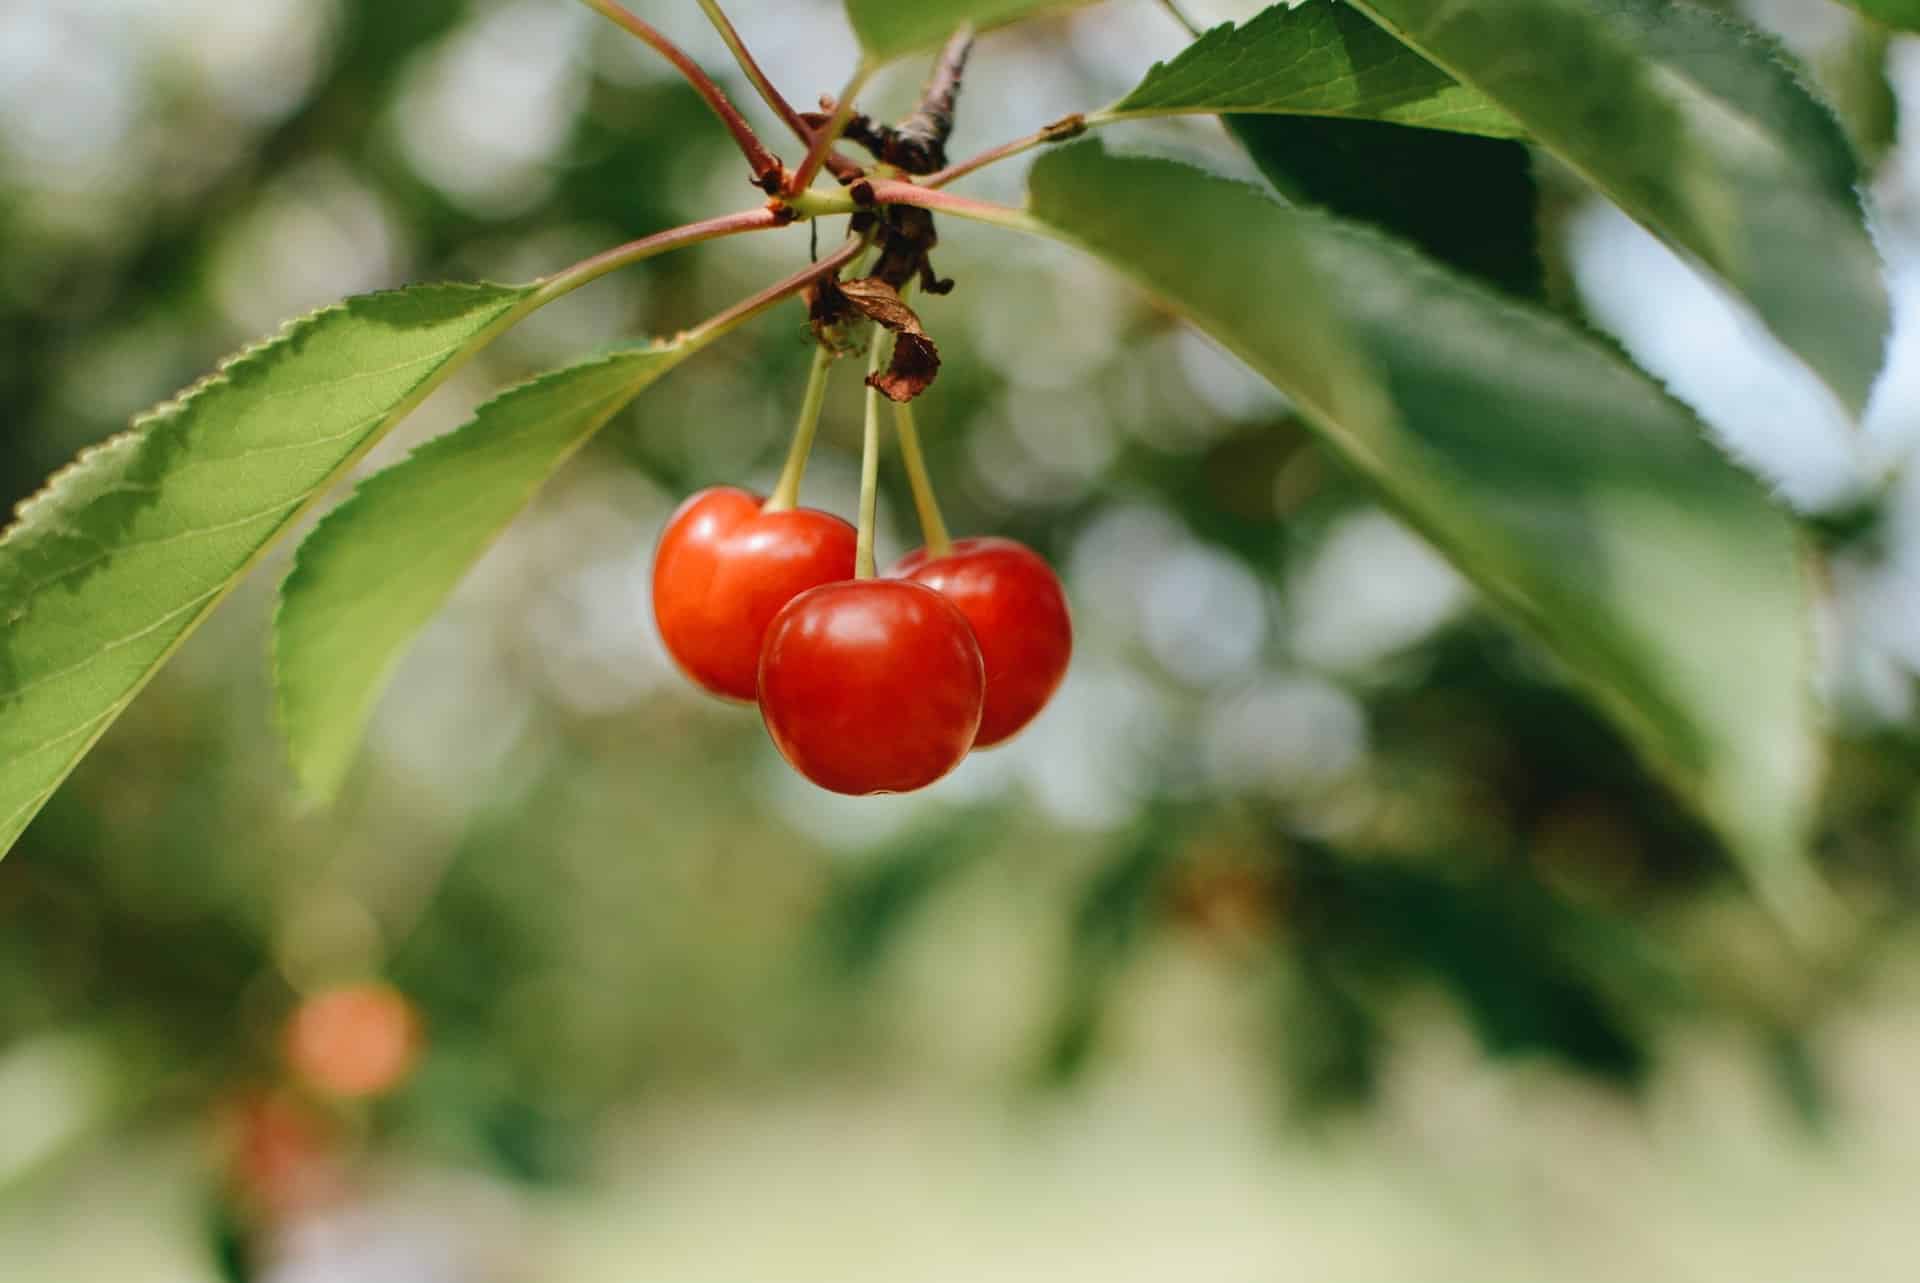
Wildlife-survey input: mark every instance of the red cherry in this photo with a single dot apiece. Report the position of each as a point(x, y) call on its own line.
point(725, 568)
point(871, 685)
point(1012, 600)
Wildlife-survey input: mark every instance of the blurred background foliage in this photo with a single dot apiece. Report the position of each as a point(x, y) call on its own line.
point(1316, 928)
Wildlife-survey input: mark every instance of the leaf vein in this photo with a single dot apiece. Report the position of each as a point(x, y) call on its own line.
point(115, 550)
point(58, 740)
point(114, 645)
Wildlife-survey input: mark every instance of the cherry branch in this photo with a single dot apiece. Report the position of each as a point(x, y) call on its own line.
point(931, 123)
point(769, 94)
point(918, 144)
point(768, 171)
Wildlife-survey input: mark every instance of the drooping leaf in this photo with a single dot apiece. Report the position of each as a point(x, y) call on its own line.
point(890, 28)
point(1320, 59)
point(1902, 15)
point(109, 568)
point(375, 570)
point(1699, 128)
point(1467, 201)
point(1577, 495)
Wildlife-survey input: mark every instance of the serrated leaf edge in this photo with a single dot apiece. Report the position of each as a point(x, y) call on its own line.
point(28, 512)
point(311, 557)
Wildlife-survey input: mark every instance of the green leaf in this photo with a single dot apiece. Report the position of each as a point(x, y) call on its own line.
point(1316, 94)
point(1577, 495)
point(375, 570)
point(1320, 59)
point(109, 568)
point(1698, 128)
point(890, 28)
point(1902, 15)
point(1854, 73)
point(1467, 201)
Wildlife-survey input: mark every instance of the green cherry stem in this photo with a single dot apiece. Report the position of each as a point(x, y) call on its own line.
point(787, 492)
point(863, 567)
point(933, 527)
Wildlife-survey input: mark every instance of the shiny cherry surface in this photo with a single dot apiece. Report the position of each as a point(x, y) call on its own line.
point(871, 685)
point(724, 569)
point(1015, 606)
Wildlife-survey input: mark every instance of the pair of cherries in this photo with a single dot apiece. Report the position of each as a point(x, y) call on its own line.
point(877, 685)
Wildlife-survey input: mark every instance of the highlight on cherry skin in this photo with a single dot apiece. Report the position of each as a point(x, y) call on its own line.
point(872, 685)
point(724, 568)
point(1014, 603)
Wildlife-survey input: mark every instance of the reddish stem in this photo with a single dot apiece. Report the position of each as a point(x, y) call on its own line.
point(828, 134)
point(889, 191)
point(768, 171)
point(769, 92)
point(592, 269)
point(1059, 131)
point(781, 289)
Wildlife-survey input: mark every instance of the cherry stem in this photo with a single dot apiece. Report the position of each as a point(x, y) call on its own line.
point(863, 567)
point(768, 93)
point(830, 132)
point(748, 308)
point(889, 191)
point(1057, 132)
point(592, 269)
point(787, 492)
point(767, 169)
point(933, 527)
